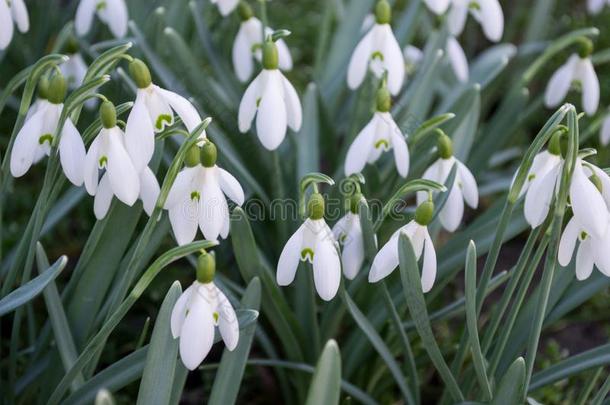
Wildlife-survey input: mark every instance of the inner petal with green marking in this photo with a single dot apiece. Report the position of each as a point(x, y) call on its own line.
point(383, 144)
point(161, 119)
point(45, 138)
point(307, 255)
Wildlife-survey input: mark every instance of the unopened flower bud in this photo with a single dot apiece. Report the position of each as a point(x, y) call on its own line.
point(270, 55)
point(424, 213)
point(57, 89)
point(108, 114)
point(445, 146)
point(383, 12)
point(209, 154)
point(206, 268)
point(315, 206)
point(140, 73)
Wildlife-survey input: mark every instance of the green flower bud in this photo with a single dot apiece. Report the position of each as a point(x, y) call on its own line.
point(270, 55)
point(43, 88)
point(140, 73)
point(206, 268)
point(555, 143)
point(108, 114)
point(315, 206)
point(209, 154)
point(383, 12)
point(424, 213)
point(245, 11)
point(71, 46)
point(384, 100)
point(192, 159)
point(445, 146)
point(57, 89)
point(354, 203)
point(586, 48)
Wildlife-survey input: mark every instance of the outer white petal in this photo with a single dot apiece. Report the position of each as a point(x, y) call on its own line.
point(284, 57)
point(271, 120)
point(91, 175)
point(20, 15)
point(213, 208)
point(197, 334)
point(385, 261)
point(456, 19)
point(294, 111)
point(434, 173)
point(604, 135)
point(103, 198)
point(584, 261)
point(542, 163)
point(587, 203)
point(492, 19)
point(72, 153)
point(342, 227)
point(359, 150)
point(230, 186)
point(6, 25)
point(26, 143)
point(182, 186)
point(352, 256)
point(605, 180)
point(248, 104)
point(359, 63)
point(139, 134)
point(290, 257)
point(228, 324)
point(326, 266)
point(149, 190)
point(453, 211)
point(401, 151)
point(539, 196)
point(184, 219)
point(179, 311)
point(393, 61)
point(115, 16)
point(457, 58)
point(468, 184)
point(568, 242)
point(590, 86)
point(429, 265)
point(185, 110)
point(123, 176)
point(438, 6)
point(243, 62)
point(84, 16)
point(226, 6)
point(595, 6)
point(560, 82)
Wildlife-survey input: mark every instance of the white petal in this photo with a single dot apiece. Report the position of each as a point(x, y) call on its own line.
point(359, 150)
point(20, 15)
point(103, 198)
point(26, 143)
point(568, 242)
point(91, 174)
point(453, 211)
point(123, 176)
point(438, 6)
point(271, 120)
point(590, 87)
point(385, 261)
point(161, 114)
point(197, 334)
point(457, 58)
point(181, 187)
point(492, 19)
point(6, 25)
point(584, 261)
point(401, 151)
point(429, 266)
point(468, 184)
point(243, 62)
point(72, 153)
point(432, 173)
point(595, 6)
point(393, 61)
point(179, 311)
point(149, 190)
point(342, 227)
point(228, 324)
point(587, 203)
point(326, 266)
point(352, 256)
point(230, 186)
point(248, 104)
point(184, 219)
point(185, 110)
point(284, 58)
point(115, 16)
point(139, 134)
point(290, 257)
point(412, 54)
point(539, 196)
point(456, 19)
point(213, 209)
point(560, 82)
point(226, 6)
point(84, 16)
point(294, 111)
point(359, 62)
point(604, 135)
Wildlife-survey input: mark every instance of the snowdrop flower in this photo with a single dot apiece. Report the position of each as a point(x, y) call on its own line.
point(378, 51)
point(488, 13)
point(273, 100)
point(107, 151)
point(12, 10)
point(198, 311)
point(225, 6)
point(413, 56)
point(595, 6)
point(248, 42)
point(113, 13)
point(313, 242)
point(386, 259)
point(35, 138)
point(438, 6)
point(197, 196)
point(604, 135)
point(578, 69)
point(591, 250)
point(380, 135)
point(464, 187)
point(457, 59)
point(348, 232)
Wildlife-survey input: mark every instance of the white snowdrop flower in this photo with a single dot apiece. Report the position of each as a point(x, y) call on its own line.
point(74, 69)
point(378, 51)
point(595, 6)
point(438, 6)
point(578, 69)
point(604, 134)
point(35, 138)
point(107, 151)
point(12, 11)
point(386, 259)
point(413, 57)
point(198, 312)
point(380, 135)
point(488, 13)
point(315, 243)
point(464, 187)
point(273, 100)
point(367, 23)
point(113, 13)
point(457, 59)
point(348, 232)
point(197, 197)
point(591, 250)
point(225, 6)
point(248, 42)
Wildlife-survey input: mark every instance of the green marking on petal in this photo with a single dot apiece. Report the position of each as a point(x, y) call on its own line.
point(342, 238)
point(103, 161)
point(583, 235)
point(258, 102)
point(161, 119)
point(307, 254)
point(382, 142)
point(474, 5)
point(216, 316)
point(531, 177)
point(45, 138)
point(195, 195)
point(377, 55)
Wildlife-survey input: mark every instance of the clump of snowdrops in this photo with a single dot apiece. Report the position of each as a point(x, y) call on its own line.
point(329, 201)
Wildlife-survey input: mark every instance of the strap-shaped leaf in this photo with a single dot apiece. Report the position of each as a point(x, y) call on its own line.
point(325, 385)
point(510, 388)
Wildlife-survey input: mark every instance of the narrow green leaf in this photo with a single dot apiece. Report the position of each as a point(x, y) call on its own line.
point(510, 388)
point(325, 385)
point(602, 393)
point(308, 148)
point(368, 230)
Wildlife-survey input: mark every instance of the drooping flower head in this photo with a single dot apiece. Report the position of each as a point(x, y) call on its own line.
point(378, 51)
point(37, 136)
point(348, 232)
point(197, 197)
point(464, 188)
point(315, 243)
point(595, 6)
point(488, 13)
point(272, 99)
point(386, 260)
point(380, 135)
point(225, 6)
point(248, 45)
point(12, 11)
point(112, 13)
point(604, 133)
point(198, 312)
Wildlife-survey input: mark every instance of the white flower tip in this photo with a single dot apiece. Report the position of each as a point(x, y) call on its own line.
point(168, 30)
